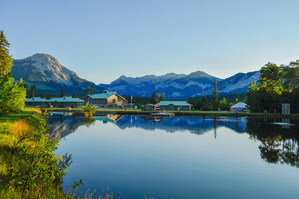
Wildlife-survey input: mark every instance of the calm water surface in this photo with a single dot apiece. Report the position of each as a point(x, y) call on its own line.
point(180, 157)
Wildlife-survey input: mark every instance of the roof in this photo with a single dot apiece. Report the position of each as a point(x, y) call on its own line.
point(101, 95)
point(239, 105)
point(105, 95)
point(175, 103)
point(36, 99)
point(66, 99)
point(61, 99)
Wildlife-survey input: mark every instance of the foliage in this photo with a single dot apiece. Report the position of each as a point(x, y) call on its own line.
point(155, 98)
point(238, 99)
point(89, 109)
point(32, 170)
point(33, 89)
point(215, 101)
point(89, 90)
point(276, 85)
point(162, 97)
point(12, 95)
point(224, 104)
point(61, 92)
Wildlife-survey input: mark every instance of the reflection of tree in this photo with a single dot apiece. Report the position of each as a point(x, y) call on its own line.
point(88, 121)
point(278, 145)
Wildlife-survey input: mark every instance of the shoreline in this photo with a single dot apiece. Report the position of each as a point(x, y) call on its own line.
point(100, 112)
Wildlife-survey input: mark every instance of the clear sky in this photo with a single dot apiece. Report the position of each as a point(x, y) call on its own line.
point(104, 39)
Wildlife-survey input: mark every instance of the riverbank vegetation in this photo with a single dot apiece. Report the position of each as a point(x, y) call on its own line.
point(276, 85)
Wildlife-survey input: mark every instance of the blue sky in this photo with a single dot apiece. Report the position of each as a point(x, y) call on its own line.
point(102, 40)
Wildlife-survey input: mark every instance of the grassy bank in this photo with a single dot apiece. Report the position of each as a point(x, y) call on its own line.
point(28, 166)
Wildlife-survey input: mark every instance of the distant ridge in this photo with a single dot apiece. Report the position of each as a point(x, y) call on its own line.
point(179, 86)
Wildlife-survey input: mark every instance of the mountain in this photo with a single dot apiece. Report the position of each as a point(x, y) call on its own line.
point(49, 75)
point(179, 86)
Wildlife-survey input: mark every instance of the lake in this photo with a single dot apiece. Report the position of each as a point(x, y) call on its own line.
point(179, 157)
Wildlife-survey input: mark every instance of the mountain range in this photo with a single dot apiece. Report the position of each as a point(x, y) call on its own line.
point(50, 76)
point(180, 86)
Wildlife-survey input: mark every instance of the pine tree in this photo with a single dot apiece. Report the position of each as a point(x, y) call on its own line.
point(154, 99)
point(33, 90)
point(61, 92)
point(215, 101)
point(12, 95)
point(204, 101)
point(5, 59)
point(238, 99)
point(162, 97)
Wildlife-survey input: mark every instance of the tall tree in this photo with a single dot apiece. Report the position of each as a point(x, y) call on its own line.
point(238, 99)
point(61, 92)
point(12, 95)
point(154, 99)
point(215, 101)
point(33, 90)
point(204, 101)
point(5, 59)
point(162, 97)
point(89, 90)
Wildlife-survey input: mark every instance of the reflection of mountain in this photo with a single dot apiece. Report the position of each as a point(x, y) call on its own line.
point(63, 125)
point(198, 125)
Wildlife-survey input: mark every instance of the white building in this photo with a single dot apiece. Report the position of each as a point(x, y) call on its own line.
point(239, 107)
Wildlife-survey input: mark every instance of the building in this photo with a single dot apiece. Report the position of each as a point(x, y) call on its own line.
point(55, 102)
point(239, 107)
point(36, 102)
point(106, 99)
point(150, 107)
point(66, 102)
point(174, 105)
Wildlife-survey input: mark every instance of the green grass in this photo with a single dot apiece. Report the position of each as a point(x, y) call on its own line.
point(7, 120)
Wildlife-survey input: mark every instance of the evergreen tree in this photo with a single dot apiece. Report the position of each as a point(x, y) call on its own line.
point(89, 90)
point(5, 59)
point(215, 101)
point(192, 102)
point(12, 95)
point(197, 104)
point(74, 95)
point(33, 90)
point(154, 99)
point(61, 92)
point(238, 99)
point(204, 101)
point(162, 97)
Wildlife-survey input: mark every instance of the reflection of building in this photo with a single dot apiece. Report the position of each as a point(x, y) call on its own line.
point(105, 99)
point(55, 102)
point(285, 109)
point(109, 118)
point(174, 105)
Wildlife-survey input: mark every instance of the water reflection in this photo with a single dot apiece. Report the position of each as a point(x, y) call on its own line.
point(178, 157)
point(279, 144)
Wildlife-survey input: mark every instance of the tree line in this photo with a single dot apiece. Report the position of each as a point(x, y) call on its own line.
point(276, 85)
point(12, 94)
